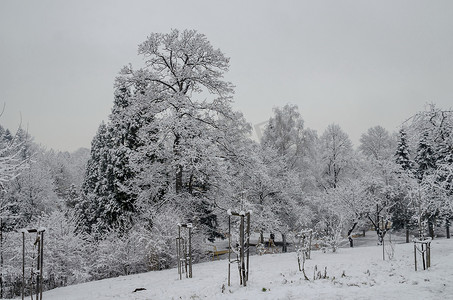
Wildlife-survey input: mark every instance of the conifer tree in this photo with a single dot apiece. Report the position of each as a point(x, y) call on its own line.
point(94, 210)
point(402, 152)
point(425, 158)
point(426, 166)
point(402, 211)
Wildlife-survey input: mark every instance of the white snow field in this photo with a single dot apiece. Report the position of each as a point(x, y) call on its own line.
point(276, 276)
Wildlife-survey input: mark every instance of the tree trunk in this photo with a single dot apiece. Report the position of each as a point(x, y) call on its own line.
point(284, 248)
point(179, 168)
point(431, 228)
point(406, 226)
point(178, 180)
point(447, 227)
point(351, 242)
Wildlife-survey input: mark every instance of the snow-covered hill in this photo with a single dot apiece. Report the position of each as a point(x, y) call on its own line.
point(276, 276)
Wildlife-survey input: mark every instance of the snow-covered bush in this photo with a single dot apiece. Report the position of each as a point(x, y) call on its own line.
point(65, 252)
point(117, 255)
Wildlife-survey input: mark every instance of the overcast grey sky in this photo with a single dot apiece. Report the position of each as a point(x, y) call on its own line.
point(354, 63)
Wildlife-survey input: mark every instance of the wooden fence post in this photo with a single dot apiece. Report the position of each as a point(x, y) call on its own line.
point(190, 252)
point(23, 265)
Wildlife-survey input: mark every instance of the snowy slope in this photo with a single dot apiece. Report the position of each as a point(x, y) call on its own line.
point(367, 277)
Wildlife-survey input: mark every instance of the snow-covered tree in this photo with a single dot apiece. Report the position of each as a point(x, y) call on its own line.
point(330, 221)
point(380, 184)
point(336, 155)
point(171, 134)
point(13, 155)
point(179, 66)
point(285, 133)
point(285, 136)
point(377, 143)
point(402, 155)
point(97, 210)
point(67, 253)
point(349, 198)
point(426, 157)
point(429, 139)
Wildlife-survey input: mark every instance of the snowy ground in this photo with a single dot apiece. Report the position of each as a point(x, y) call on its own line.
point(276, 276)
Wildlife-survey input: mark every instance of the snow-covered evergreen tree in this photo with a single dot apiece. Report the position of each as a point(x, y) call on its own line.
point(402, 154)
point(402, 210)
point(426, 157)
point(96, 210)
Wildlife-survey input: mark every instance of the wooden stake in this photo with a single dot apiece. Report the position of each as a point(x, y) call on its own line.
point(178, 253)
point(423, 258)
point(190, 252)
point(23, 265)
point(242, 233)
point(38, 261)
point(41, 264)
point(229, 248)
point(248, 245)
point(1, 258)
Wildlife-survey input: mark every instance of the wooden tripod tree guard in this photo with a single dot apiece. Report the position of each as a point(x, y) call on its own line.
point(184, 251)
point(303, 248)
point(39, 243)
point(424, 250)
point(244, 246)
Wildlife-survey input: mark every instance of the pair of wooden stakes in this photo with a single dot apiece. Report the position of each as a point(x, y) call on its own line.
point(184, 248)
point(36, 277)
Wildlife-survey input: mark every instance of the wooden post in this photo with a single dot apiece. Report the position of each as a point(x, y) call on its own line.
point(23, 265)
point(243, 265)
point(178, 252)
point(241, 251)
point(38, 261)
point(248, 244)
point(184, 251)
point(415, 255)
point(41, 263)
point(229, 248)
point(423, 258)
point(190, 252)
point(1, 258)
point(428, 254)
